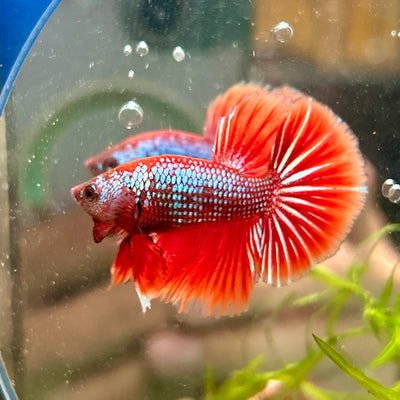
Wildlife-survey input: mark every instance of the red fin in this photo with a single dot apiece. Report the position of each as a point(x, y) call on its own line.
point(320, 191)
point(223, 104)
point(288, 95)
point(245, 136)
point(142, 261)
point(215, 263)
point(101, 230)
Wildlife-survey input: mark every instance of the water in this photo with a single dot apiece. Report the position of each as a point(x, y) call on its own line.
point(102, 71)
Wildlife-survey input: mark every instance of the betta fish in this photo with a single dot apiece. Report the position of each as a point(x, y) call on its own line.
point(285, 182)
point(149, 144)
point(170, 141)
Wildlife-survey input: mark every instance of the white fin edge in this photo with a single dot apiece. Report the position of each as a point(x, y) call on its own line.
point(144, 300)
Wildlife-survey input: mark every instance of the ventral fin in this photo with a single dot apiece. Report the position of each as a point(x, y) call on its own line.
point(101, 230)
point(141, 260)
point(246, 134)
point(213, 263)
point(223, 104)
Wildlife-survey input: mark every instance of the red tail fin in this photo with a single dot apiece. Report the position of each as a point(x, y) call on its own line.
point(223, 104)
point(321, 190)
point(245, 136)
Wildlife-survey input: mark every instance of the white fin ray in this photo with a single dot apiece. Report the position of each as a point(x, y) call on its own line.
point(289, 151)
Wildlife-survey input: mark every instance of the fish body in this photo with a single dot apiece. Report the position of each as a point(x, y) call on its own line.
point(174, 191)
point(284, 184)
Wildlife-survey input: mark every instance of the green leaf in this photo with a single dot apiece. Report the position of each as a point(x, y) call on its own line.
point(241, 385)
point(387, 289)
point(391, 350)
point(209, 381)
point(328, 277)
point(396, 387)
point(323, 394)
point(312, 298)
point(356, 271)
point(377, 318)
point(372, 386)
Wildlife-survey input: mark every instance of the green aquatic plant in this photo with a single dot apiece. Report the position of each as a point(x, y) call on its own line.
point(379, 318)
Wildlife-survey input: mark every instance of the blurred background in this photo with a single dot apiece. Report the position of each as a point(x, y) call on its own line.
point(63, 334)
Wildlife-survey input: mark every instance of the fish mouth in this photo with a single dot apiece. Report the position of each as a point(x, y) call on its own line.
point(76, 193)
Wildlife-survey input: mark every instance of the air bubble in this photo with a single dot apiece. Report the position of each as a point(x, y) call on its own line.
point(394, 193)
point(142, 48)
point(282, 32)
point(127, 50)
point(178, 54)
point(131, 74)
point(395, 33)
point(130, 115)
point(386, 186)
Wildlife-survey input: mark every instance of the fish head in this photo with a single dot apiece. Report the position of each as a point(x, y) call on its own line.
point(110, 203)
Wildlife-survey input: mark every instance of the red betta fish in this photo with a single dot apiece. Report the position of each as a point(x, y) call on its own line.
point(284, 185)
point(170, 141)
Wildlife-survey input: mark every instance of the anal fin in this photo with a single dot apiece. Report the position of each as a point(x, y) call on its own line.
point(215, 263)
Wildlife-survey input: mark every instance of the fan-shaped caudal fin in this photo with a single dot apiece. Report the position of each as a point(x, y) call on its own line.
point(320, 191)
point(141, 260)
point(223, 104)
point(214, 263)
point(245, 136)
point(288, 95)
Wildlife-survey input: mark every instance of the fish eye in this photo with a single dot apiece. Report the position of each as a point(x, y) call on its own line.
point(109, 163)
point(90, 193)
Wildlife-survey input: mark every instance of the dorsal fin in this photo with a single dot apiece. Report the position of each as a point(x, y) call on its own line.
point(246, 134)
point(223, 104)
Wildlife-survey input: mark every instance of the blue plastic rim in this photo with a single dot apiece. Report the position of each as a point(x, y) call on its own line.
point(20, 24)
